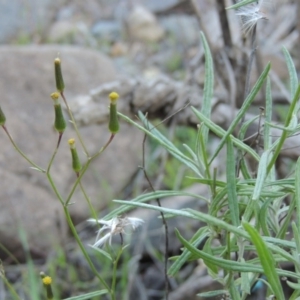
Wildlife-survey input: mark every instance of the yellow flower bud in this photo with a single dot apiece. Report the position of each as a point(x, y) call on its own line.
point(55, 96)
point(71, 142)
point(113, 124)
point(113, 96)
point(59, 122)
point(47, 280)
point(75, 158)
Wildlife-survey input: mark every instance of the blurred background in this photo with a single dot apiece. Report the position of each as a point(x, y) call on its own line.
point(149, 51)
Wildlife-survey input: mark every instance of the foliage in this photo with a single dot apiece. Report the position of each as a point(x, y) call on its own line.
point(245, 234)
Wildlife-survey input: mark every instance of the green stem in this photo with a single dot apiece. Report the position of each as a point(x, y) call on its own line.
point(93, 212)
point(114, 278)
point(77, 238)
point(249, 210)
point(20, 152)
point(11, 289)
point(54, 154)
point(75, 125)
point(86, 167)
point(73, 229)
point(53, 186)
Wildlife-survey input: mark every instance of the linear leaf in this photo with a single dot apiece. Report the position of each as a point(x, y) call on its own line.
point(220, 132)
point(208, 86)
point(261, 175)
point(231, 185)
point(240, 4)
point(243, 109)
point(267, 261)
point(285, 133)
point(88, 295)
point(292, 71)
point(231, 265)
point(200, 235)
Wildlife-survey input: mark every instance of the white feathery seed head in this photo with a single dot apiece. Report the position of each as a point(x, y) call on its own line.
point(114, 226)
point(251, 13)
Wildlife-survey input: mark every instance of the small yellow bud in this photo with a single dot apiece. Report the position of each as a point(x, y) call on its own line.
point(113, 96)
point(55, 95)
point(71, 142)
point(60, 85)
point(47, 280)
point(76, 165)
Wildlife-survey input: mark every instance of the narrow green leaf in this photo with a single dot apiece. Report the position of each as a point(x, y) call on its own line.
point(220, 132)
point(213, 294)
point(284, 133)
point(267, 261)
point(148, 197)
point(293, 285)
point(151, 131)
point(261, 175)
point(240, 4)
point(296, 237)
point(208, 86)
point(243, 109)
point(245, 282)
point(213, 268)
point(213, 221)
point(231, 265)
point(200, 235)
point(231, 185)
point(245, 126)
point(292, 71)
point(234, 293)
point(103, 252)
point(263, 217)
point(268, 116)
point(220, 262)
point(297, 192)
point(88, 295)
point(295, 295)
point(285, 226)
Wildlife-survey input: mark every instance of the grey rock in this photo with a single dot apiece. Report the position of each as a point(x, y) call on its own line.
point(158, 6)
point(143, 26)
point(107, 30)
point(183, 28)
point(26, 199)
point(25, 17)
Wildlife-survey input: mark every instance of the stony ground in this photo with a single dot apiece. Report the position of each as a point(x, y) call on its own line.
point(155, 46)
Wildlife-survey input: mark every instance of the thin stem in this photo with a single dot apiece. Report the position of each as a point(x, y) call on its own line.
point(53, 186)
point(54, 153)
point(224, 23)
point(75, 125)
point(73, 229)
point(104, 147)
point(164, 223)
point(85, 168)
point(11, 289)
point(59, 139)
point(93, 212)
point(77, 238)
point(250, 63)
point(20, 152)
point(247, 90)
point(114, 277)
